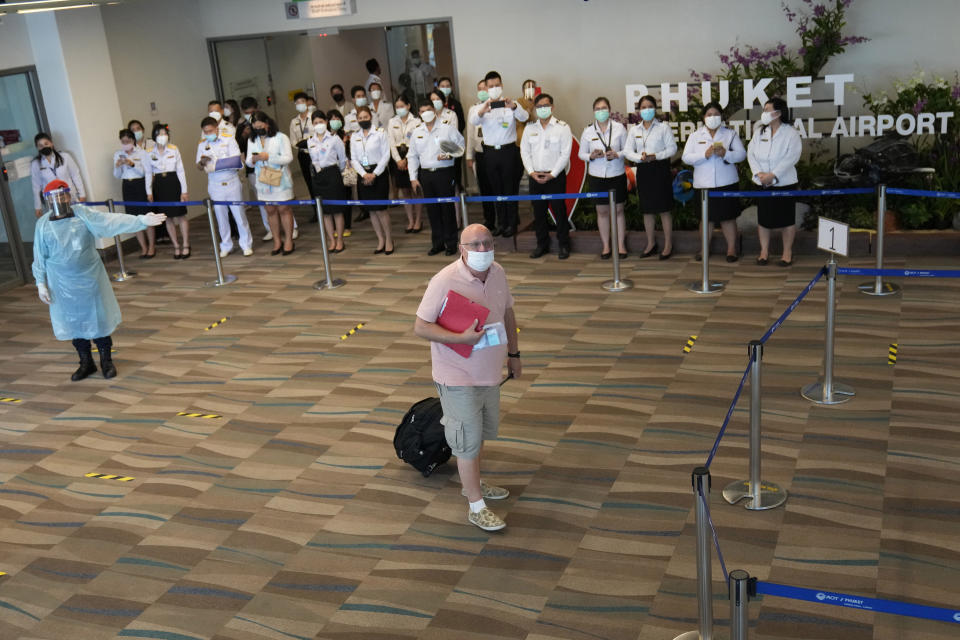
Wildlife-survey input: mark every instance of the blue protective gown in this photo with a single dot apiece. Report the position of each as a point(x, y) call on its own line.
point(65, 258)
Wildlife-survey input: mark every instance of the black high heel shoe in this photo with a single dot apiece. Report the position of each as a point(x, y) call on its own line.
point(276, 252)
point(293, 247)
point(653, 250)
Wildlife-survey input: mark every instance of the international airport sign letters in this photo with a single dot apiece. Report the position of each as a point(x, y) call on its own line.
point(798, 95)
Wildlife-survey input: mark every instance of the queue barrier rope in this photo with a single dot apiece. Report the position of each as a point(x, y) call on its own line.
point(923, 193)
point(901, 273)
point(879, 605)
point(793, 306)
point(726, 420)
point(716, 538)
point(793, 193)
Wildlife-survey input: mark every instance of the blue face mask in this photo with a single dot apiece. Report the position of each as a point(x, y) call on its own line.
point(210, 137)
point(648, 114)
point(602, 115)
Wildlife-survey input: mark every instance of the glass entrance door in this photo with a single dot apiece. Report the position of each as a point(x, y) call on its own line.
point(20, 120)
point(243, 69)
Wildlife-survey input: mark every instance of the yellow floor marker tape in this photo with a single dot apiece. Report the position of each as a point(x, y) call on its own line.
point(892, 353)
point(689, 345)
point(217, 323)
point(195, 414)
point(95, 350)
point(352, 331)
point(108, 476)
point(11, 400)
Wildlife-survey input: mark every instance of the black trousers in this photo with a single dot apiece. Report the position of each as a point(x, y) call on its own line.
point(483, 181)
point(501, 165)
point(559, 208)
point(103, 346)
point(443, 217)
point(304, 160)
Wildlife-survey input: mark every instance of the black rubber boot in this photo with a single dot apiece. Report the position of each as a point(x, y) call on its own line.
point(86, 360)
point(104, 346)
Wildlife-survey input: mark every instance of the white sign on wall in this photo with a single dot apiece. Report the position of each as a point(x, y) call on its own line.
point(319, 8)
point(832, 236)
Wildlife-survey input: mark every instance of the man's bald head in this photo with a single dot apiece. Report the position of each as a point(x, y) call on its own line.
point(475, 233)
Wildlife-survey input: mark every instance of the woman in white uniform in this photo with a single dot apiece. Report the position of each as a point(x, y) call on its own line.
point(49, 165)
point(328, 159)
point(773, 154)
point(601, 146)
point(381, 107)
point(170, 185)
point(269, 153)
point(714, 151)
point(399, 130)
point(650, 145)
point(369, 155)
point(132, 166)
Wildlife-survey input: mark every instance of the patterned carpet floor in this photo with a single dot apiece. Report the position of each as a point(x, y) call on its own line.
point(281, 511)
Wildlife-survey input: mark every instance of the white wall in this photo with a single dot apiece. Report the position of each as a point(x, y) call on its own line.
point(15, 48)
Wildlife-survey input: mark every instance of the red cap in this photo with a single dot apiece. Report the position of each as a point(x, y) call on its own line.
point(53, 185)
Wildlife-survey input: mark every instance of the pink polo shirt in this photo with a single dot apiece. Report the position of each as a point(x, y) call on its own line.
point(484, 368)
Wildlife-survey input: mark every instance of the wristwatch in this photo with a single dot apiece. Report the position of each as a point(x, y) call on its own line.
point(513, 355)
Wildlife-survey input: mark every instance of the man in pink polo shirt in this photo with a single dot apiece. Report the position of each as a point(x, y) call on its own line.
point(469, 388)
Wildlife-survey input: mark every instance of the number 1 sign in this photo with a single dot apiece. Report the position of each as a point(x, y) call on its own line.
point(833, 236)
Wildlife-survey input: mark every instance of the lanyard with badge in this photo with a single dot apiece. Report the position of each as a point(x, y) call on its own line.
point(609, 141)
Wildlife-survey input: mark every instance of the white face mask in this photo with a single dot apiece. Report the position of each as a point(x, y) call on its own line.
point(479, 260)
point(438, 105)
point(320, 128)
point(247, 116)
point(495, 92)
point(361, 102)
point(375, 94)
point(713, 122)
point(301, 107)
point(428, 116)
point(227, 111)
point(402, 112)
point(162, 140)
point(215, 115)
point(311, 108)
point(768, 116)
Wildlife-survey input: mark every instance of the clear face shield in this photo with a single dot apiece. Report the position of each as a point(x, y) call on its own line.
point(58, 203)
point(530, 89)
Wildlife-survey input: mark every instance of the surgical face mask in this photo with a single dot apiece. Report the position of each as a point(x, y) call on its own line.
point(483, 96)
point(320, 128)
point(247, 116)
point(162, 140)
point(364, 124)
point(338, 97)
point(361, 102)
point(446, 91)
point(768, 116)
point(46, 151)
point(311, 108)
point(438, 104)
point(216, 115)
point(529, 92)
point(648, 114)
point(127, 147)
point(428, 116)
point(376, 94)
point(301, 107)
point(335, 125)
point(210, 137)
point(602, 115)
point(415, 59)
point(261, 132)
point(495, 92)
point(544, 112)
point(402, 112)
point(479, 260)
point(138, 135)
point(227, 111)
point(713, 122)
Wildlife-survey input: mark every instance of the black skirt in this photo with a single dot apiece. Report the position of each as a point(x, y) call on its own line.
point(166, 188)
point(401, 177)
point(722, 209)
point(135, 191)
point(616, 183)
point(379, 190)
point(328, 185)
point(776, 213)
point(654, 186)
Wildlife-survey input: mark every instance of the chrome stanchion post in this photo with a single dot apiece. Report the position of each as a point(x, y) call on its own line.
point(763, 495)
point(741, 588)
point(463, 210)
point(701, 487)
point(616, 284)
point(222, 279)
point(878, 287)
point(123, 275)
point(330, 282)
point(828, 391)
point(705, 285)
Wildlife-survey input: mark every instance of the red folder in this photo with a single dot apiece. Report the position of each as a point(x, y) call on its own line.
point(458, 314)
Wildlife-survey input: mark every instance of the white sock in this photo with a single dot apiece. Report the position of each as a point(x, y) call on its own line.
point(476, 507)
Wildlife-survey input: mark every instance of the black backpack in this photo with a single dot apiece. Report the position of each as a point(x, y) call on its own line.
point(419, 439)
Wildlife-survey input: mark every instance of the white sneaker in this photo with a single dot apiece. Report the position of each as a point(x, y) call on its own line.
point(296, 234)
point(248, 252)
point(268, 237)
point(224, 253)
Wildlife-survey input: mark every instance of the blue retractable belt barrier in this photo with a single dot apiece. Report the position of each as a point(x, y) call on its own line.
point(726, 420)
point(95, 204)
point(124, 203)
point(859, 602)
point(920, 192)
point(793, 306)
point(545, 196)
point(386, 203)
point(716, 539)
point(902, 273)
point(785, 194)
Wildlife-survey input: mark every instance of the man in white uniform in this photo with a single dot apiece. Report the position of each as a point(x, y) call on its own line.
point(224, 184)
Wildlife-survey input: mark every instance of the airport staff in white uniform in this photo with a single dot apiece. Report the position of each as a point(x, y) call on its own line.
point(601, 146)
point(498, 116)
point(350, 124)
point(370, 155)
point(50, 165)
point(400, 130)
point(224, 127)
point(301, 130)
point(380, 107)
point(475, 158)
point(373, 68)
point(224, 185)
point(545, 150)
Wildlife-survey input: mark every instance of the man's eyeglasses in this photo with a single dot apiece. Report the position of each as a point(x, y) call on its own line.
point(479, 244)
